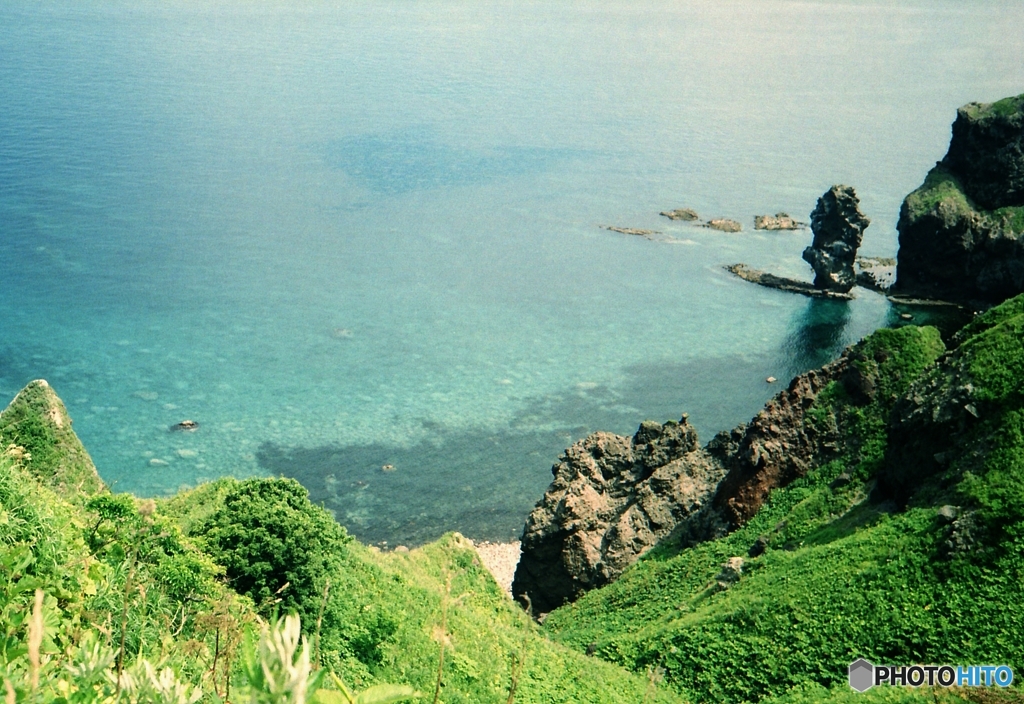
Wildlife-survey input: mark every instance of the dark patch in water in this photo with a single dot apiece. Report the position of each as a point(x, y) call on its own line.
point(480, 483)
point(415, 159)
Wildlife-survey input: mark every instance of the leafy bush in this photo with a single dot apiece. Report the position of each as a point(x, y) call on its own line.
point(277, 547)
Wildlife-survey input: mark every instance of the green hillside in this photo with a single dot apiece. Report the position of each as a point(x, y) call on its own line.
point(157, 583)
point(907, 547)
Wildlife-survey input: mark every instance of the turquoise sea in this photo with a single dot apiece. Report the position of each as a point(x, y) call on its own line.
point(344, 235)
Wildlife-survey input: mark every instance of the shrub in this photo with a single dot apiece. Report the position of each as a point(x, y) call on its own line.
point(277, 547)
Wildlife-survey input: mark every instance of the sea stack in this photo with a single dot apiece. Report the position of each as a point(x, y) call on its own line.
point(838, 227)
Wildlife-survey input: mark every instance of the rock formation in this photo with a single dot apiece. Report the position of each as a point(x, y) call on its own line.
point(779, 221)
point(724, 225)
point(987, 152)
point(838, 226)
point(612, 499)
point(776, 447)
point(782, 283)
point(961, 234)
point(684, 214)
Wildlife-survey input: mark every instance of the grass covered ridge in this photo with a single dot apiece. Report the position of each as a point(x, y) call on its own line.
point(942, 188)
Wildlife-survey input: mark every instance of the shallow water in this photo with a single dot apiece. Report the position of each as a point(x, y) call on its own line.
point(344, 236)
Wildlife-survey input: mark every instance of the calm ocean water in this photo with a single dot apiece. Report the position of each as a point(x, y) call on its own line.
point(348, 235)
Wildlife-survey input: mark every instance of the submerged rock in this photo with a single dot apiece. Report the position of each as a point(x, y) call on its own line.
point(838, 227)
point(185, 425)
point(961, 234)
point(612, 499)
point(635, 231)
point(782, 283)
point(685, 214)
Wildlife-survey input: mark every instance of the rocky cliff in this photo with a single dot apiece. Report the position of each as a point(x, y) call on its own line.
point(612, 499)
point(961, 234)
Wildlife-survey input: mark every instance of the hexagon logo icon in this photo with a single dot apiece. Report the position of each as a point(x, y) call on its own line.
point(862, 675)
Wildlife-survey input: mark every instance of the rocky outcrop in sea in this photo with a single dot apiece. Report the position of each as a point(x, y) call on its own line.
point(838, 227)
point(961, 234)
point(779, 221)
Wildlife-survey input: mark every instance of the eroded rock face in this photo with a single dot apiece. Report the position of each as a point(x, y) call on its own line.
point(777, 446)
point(612, 499)
point(838, 227)
point(961, 233)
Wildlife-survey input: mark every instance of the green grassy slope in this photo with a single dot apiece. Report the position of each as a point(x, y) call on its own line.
point(123, 575)
point(37, 421)
point(390, 608)
point(885, 552)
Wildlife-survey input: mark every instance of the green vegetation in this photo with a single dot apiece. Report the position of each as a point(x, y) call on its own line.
point(1012, 218)
point(1002, 108)
point(37, 422)
point(940, 186)
point(147, 602)
point(244, 591)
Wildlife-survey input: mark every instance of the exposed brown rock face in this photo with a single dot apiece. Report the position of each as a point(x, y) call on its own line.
point(838, 227)
point(777, 446)
point(612, 499)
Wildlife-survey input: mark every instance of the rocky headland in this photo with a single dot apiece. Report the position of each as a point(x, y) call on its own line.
point(612, 498)
point(961, 234)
